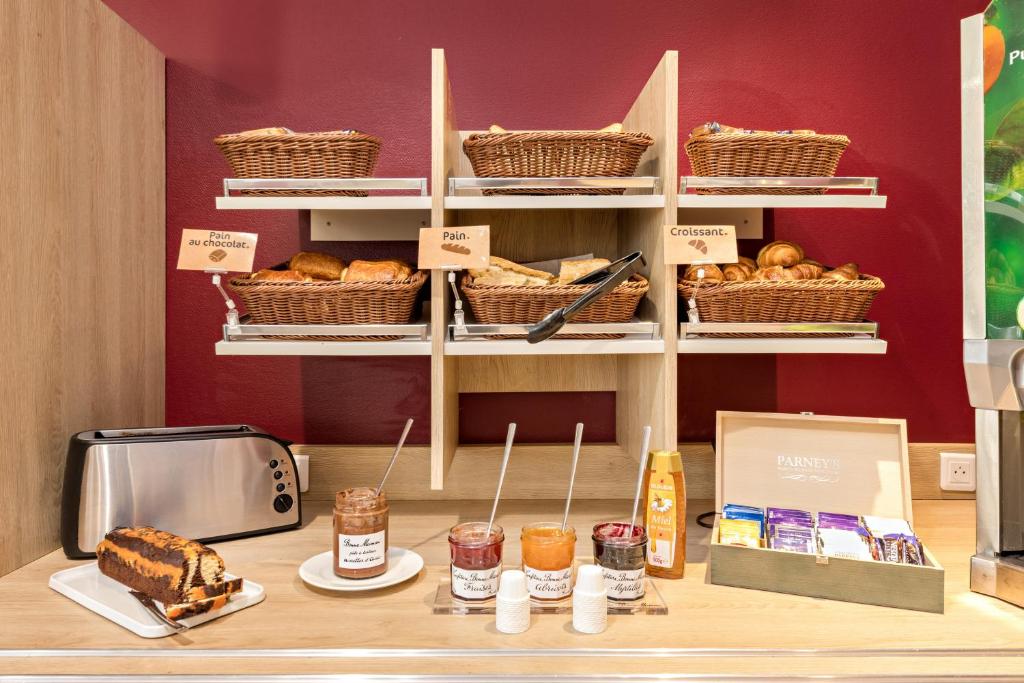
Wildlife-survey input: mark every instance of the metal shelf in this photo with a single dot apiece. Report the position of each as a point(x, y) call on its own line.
point(472, 339)
point(419, 201)
point(842, 193)
point(466, 193)
point(247, 339)
point(858, 338)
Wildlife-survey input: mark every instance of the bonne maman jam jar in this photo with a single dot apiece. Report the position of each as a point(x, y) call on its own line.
point(360, 533)
point(476, 560)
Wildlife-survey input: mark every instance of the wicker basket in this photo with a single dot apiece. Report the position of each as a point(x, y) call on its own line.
point(301, 155)
point(330, 303)
point(1001, 304)
point(519, 305)
point(549, 154)
point(765, 154)
point(795, 301)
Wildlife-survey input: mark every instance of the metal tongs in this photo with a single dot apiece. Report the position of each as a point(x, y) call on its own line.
point(605, 280)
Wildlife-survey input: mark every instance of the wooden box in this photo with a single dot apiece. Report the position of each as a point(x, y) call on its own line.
point(819, 463)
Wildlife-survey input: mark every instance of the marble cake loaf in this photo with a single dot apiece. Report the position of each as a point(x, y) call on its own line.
point(159, 564)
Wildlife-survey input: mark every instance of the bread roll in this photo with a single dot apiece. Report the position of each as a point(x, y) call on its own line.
point(712, 273)
point(268, 275)
point(386, 270)
point(571, 270)
point(317, 265)
point(504, 272)
point(780, 253)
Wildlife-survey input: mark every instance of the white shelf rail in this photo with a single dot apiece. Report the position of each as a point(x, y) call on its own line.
point(862, 184)
point(650, 184)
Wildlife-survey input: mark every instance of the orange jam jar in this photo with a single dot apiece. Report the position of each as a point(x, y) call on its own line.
point(548, 560)
point(360, 533)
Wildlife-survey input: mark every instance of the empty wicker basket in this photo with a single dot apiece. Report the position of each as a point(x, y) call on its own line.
point(330, 303)
point(338, 154)
point(551, 154)
point(521, 305)
point(795, 301)
point(765, 154)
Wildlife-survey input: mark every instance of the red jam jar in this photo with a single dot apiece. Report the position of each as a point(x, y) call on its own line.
point(622, 559)
point(360, 533)
point(476, 560)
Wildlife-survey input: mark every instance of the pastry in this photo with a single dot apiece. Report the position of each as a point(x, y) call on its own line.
point(386, 270)
point(572, 270)
point(277, 130)
point(773, 274)
point(849, 271)
point(712, 273)
point(780, 253)
point(317, 265)
point(737, 272)
point(812, 270)
point(748, 262)
point(269, 275)
point(157, 563)
point(504, 272)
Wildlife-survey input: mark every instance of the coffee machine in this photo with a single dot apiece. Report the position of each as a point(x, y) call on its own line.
point(992, 103)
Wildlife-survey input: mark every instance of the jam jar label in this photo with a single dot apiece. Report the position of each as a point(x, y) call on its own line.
point(624, 584)
point(548, 585)
point(475, 584)
point(360, 551)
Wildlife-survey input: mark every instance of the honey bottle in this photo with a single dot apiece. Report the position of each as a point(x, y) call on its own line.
point(665, 514)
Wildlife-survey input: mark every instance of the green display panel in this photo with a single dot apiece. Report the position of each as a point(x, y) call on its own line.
point(1003, 40)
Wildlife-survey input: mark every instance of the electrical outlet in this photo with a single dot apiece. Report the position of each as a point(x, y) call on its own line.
point(957, 472)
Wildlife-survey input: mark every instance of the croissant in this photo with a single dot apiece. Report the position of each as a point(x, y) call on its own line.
point(780, 253)
point(712, 273)
point(317, 265)
point(749, 263)
point(805, 271)
point(849, 271)
point(772, 273)
point(737, 272)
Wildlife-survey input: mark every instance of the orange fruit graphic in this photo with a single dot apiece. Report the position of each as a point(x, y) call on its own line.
point(994, 54)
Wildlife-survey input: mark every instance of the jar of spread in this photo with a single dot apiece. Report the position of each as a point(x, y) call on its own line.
point(360, 533)
point(622, 558)
point(548, 553)
point(476, 560)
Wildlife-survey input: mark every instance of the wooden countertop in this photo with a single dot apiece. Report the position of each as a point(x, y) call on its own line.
point(708, 628)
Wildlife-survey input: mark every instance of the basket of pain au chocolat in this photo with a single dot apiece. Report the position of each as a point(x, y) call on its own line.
point(508, 293)
point(320, 289)
point(781, 285)
point(185, 576)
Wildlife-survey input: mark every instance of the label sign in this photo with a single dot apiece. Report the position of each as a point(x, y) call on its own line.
point(217, 250)
point(455, 248)
point(700, 244)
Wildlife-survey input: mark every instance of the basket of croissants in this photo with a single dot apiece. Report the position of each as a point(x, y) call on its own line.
point(508, 293)
point(780, 286)
point(611, 151)
point(282, 153)
point(320, 289)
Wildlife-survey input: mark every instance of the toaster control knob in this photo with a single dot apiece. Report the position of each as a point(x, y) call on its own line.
point(283, 503)
point(273, 464)
point(278, 474)
point(280, 488)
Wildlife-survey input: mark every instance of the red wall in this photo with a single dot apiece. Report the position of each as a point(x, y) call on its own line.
point(884, 73)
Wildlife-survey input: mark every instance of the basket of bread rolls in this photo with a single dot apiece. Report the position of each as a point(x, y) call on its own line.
point(609, 152)
point(717, 150)
point(282, 153)
point(320, 289)
point(508, 293)
point(781, 285)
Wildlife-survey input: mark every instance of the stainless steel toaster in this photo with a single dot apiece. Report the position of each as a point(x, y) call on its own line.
point(204, 483)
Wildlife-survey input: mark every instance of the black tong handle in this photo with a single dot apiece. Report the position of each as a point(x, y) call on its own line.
point(606, 279)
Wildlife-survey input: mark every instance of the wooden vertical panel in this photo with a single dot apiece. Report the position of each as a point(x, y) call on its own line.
point(444, 391)
point(81, 248)
point(647, 392)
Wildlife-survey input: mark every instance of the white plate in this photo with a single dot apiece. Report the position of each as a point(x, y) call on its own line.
point(318, 571)
point(112, 600)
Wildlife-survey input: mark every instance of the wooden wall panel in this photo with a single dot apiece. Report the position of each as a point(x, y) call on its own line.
point(81, 248)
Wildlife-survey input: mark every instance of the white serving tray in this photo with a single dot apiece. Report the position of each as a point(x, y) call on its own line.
point(91, 589)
